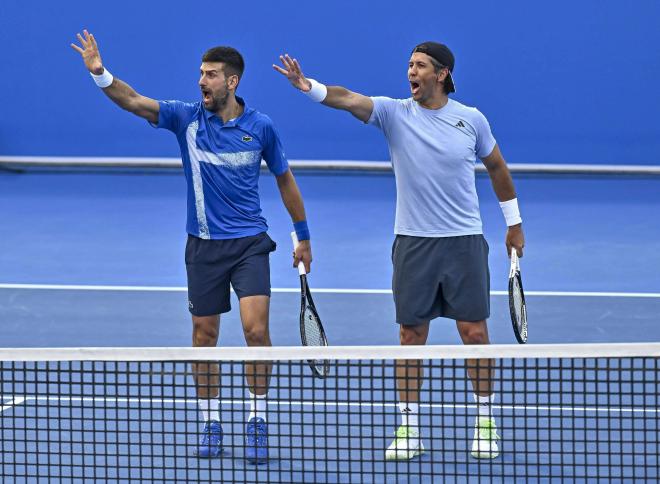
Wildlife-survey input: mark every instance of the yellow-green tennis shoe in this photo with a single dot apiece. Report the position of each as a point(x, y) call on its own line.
point(406, 445)
point(484, 445)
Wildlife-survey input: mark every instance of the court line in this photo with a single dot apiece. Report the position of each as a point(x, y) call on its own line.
point(85, 287)
point(12, 403)
point(334, 404)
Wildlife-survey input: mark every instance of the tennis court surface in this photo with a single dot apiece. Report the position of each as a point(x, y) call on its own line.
point(572, 413)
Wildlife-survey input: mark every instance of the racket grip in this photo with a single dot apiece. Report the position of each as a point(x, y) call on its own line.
point(301, 266)
point(514, 262)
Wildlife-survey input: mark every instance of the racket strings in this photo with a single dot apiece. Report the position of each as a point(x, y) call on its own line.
point(518, 301)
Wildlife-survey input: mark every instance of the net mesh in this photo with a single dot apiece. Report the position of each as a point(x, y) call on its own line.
point(573, 413)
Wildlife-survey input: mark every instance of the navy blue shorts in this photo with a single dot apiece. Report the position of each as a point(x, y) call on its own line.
point(212, 265)
point(440, 277)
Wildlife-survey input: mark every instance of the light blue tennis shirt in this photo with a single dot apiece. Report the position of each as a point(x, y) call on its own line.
point(433, 152)
point(221, 162)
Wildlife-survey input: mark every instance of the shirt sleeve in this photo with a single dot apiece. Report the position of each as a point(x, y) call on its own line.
point(273, 151)
point(383, 111)
point(174, 115)
point(485, 140)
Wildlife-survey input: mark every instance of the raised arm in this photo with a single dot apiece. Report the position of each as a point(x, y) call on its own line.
point(121, 93)
point(337, 97)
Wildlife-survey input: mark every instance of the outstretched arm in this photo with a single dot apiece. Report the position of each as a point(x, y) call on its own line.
point(120, 92)
point(337, 97)
point(500, 177)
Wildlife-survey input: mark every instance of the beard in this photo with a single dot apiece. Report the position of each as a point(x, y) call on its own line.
point(217, 101)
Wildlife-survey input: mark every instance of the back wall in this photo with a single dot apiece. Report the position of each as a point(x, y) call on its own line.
point(560, 82)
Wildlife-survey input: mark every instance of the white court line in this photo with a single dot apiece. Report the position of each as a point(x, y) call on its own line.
point(78, 287)
point(332, 404)
point(11, 403)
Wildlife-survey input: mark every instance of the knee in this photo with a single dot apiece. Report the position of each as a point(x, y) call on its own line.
point(257, 336)
point(205, 333)
point(474, 335)
point(411, 335)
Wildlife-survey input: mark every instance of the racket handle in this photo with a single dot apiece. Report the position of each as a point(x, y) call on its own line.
point(514, 262)
point(301, 266)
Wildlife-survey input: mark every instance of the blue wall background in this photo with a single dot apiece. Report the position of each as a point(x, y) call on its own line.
point(561, 82)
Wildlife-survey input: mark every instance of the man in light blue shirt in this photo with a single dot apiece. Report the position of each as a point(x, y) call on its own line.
point(440, 256)
point(222, 143)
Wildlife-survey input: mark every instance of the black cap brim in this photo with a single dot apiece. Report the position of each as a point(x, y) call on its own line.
point(449, 82)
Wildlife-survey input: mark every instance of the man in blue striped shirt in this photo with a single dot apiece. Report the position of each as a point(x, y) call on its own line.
point(222, 143)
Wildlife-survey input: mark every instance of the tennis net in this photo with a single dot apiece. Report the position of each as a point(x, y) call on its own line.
point(562, 413)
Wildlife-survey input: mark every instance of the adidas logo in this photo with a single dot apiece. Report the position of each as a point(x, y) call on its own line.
point(460, 124)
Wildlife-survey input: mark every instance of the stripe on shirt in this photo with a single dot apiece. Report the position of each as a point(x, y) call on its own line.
point(228, 160)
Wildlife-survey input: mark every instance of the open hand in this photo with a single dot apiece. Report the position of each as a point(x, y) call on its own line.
point(89, 52)
point(293, 73)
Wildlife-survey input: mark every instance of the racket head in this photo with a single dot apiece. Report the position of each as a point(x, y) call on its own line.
point(311, 329)
point(517, 306)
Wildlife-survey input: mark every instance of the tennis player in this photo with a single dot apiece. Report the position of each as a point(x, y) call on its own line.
point(439, 254)
point(222, 143)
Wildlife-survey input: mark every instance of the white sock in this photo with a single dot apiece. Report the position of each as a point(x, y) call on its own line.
point(410, 415)
point(210, 408)
point(257, 406)
point(485, 405)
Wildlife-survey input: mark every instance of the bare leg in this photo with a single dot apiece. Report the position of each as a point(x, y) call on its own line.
point(480, 371)
point(207, 375)
point(254, 315)
point(409, 373)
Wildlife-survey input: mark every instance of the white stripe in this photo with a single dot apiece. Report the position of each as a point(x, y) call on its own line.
point(198, 185)
point(85, 161)
point(12, 403)
point(349, 353)
point(91, 287)
point(335, 404)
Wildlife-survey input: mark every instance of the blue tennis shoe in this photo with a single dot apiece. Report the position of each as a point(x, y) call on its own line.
point(211, 443)
point(256, 441)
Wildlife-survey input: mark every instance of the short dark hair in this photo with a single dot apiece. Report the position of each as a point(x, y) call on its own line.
point(230, 57)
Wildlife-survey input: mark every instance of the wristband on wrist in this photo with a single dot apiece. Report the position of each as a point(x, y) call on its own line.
point(103, 80)
point(302, 231)
point(511, 212)
point(318, 92)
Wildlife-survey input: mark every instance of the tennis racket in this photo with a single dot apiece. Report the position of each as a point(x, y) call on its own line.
point(517, 306)
point(311, 329)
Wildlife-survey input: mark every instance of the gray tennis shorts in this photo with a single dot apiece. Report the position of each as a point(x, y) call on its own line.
point(440, 277)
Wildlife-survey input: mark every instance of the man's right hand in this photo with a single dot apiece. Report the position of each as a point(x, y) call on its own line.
point(293, 73)
point(89, 52)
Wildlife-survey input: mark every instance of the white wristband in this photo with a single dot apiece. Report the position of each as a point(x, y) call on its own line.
point(318, 92)
point(511, 212)
point(103, 80)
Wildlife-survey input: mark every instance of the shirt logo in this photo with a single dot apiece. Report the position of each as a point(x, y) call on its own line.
point(460, 124)
point(247, 138)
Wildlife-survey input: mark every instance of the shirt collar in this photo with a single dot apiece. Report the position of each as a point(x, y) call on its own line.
point(208, 114)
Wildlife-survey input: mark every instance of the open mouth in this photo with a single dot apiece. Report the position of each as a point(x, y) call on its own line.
point(206, 96)
point(414, 87)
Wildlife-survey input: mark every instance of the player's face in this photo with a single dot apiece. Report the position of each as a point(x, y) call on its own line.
point(424, 81)
point(215, 86)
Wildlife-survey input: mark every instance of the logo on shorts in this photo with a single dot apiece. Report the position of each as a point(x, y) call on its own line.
point(247, 138)
point(190, 304)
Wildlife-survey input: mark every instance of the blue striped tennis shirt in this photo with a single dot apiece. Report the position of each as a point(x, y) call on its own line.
point(221, 162)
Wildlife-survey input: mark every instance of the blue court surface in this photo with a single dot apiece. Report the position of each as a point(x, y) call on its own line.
point(96, 259)
point(590, 267)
